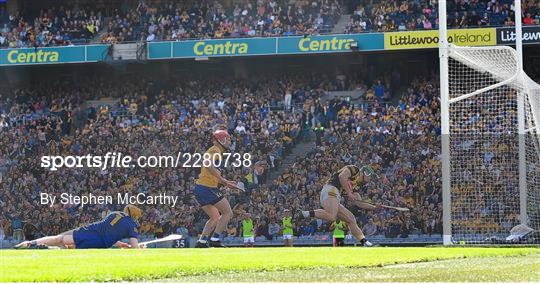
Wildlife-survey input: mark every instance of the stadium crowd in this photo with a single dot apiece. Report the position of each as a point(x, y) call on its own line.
point(400, 142)
point(267, 119)
point(154, 21)
point(177, 120)
point(167, 20)
point(55, 26)
point(392, 15)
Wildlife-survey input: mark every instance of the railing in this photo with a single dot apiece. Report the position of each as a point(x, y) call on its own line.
point(141, 52)
point(324, 31)
point(321, 240)
point(362, 104)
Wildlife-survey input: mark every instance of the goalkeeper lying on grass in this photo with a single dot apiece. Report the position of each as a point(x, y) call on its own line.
point(103, 234)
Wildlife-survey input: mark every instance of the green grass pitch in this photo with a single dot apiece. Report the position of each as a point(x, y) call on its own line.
point(274, 264)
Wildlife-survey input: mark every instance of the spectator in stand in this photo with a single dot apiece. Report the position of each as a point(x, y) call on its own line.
point(370, 228)
point(379, 90)
point(17, 227)
point(319, 132)
point(231, 230)
point(273, 229)
point(529, 20)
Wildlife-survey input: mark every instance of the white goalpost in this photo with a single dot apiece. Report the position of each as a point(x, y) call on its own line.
point(490, 111)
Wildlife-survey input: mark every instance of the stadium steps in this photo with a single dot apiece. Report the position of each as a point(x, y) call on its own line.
point(340, 26)
point(300, 149)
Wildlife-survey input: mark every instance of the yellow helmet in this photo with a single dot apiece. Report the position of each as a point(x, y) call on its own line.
point(133, 211)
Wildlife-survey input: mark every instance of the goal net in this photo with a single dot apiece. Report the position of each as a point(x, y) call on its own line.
point(486, 142)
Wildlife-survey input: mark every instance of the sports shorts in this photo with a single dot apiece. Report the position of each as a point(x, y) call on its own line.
point(86, 239)
point(339, 242)
point(207, 195)
point(329, 191)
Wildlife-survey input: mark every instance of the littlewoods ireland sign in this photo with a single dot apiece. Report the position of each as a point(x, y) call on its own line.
point(508, 35)
point(430, 39)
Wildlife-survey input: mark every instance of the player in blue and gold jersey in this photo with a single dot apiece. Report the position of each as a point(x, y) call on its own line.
point(210, 197)
point(102, 234)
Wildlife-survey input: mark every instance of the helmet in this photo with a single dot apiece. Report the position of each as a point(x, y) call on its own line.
point(222, 137)
point(133, 211)
point(355, 171)
point(355, 174)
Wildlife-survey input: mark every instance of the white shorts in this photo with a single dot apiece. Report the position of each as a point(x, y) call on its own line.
point(287, 237)
point(329, 191)
point(249, 240)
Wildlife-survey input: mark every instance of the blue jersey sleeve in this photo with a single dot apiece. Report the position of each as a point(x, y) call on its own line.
point(133, 233)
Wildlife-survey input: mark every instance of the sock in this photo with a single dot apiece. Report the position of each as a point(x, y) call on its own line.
point(305, 214)
point(363, 241)
point(215, 237)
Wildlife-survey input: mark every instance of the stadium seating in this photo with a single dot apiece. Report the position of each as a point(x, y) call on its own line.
point(55, 26)
point(156, 20)
point(392, 15)
point(164, 20)
point(54, 123)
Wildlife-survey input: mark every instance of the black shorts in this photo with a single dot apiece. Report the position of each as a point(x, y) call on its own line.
point(339, 242)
